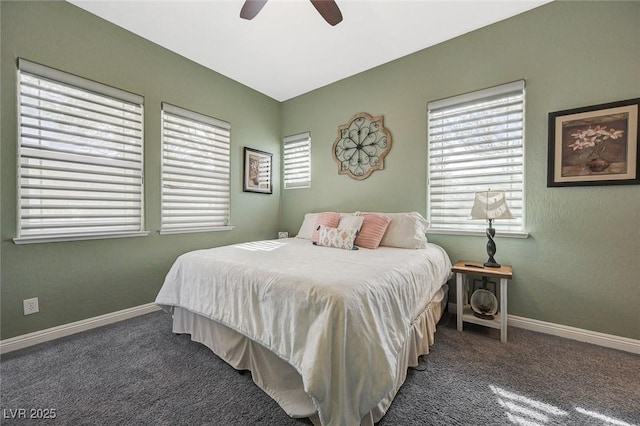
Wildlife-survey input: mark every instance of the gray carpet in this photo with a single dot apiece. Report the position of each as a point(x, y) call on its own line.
point(138, 372)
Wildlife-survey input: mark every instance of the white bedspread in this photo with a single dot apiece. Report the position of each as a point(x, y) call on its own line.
point(338, 317)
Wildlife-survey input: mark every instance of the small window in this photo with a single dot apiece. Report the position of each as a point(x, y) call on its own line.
point(297, 161)
point(80, 158)
point(476, 143)
point(195, 171)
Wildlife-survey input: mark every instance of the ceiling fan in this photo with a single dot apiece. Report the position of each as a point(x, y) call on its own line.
point(327, 8)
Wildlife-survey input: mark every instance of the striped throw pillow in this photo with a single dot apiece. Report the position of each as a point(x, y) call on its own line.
point(372, 230)
point(328, 219)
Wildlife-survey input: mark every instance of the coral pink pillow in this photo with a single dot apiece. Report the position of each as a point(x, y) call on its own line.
point(372, 231)
point(330, 220)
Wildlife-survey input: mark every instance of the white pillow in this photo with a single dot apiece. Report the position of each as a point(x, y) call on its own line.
point(406, 230)
point(308, 226)
point(351, 222)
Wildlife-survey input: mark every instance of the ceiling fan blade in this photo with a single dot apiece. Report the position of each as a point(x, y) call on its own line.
point(251, 8)
point(329, 11)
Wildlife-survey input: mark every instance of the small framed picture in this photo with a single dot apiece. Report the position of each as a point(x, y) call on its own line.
point(257, 171)
point(594, 145)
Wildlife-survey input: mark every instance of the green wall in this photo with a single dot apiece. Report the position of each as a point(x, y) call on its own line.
point(78, 280)
point(580, 266)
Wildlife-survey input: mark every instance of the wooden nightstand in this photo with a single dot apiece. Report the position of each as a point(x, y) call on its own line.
point(465, 269)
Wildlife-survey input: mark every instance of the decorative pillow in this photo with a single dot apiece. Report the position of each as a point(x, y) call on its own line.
point(406, 230)
point(328, 219)
point(372, 230)
point(351, 222)
point(337, 237)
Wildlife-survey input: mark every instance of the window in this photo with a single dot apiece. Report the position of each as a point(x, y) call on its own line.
point(476, 144)
point(297, 161)
point(195, 172)
point(80, 158)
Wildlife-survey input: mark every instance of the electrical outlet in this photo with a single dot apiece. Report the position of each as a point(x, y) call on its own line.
point(30, 306)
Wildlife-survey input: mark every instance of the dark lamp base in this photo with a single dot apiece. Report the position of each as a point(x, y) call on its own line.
point(491, 248)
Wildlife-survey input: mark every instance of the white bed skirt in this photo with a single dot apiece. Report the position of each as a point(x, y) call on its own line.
point(280, 380)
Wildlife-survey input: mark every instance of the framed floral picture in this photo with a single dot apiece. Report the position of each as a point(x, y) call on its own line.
point(257, 171)
point(594, 145)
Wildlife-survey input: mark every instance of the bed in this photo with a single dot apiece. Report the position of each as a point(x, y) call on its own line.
point(327, 333)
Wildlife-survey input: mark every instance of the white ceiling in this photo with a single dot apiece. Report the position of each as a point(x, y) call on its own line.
point(288, 49)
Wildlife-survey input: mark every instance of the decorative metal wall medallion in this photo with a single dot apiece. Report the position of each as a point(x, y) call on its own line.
point(361, 146)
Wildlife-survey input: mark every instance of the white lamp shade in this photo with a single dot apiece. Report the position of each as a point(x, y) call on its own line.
point(490, 205)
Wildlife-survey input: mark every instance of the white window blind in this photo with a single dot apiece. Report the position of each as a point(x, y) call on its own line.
point(195, 171)
point(476, 143)
point(297, 161)
point(80, 158)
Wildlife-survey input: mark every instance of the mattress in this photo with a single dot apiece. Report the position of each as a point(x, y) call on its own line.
point(342, 319)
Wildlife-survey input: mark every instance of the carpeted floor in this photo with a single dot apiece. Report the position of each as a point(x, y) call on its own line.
point(138, 372)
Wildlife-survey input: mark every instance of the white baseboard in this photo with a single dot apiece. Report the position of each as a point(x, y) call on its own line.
point(573, 333)
point(593, 337)
point(42, 336)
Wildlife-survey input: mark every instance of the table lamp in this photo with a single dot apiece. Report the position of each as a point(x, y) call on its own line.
point(490, 205)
